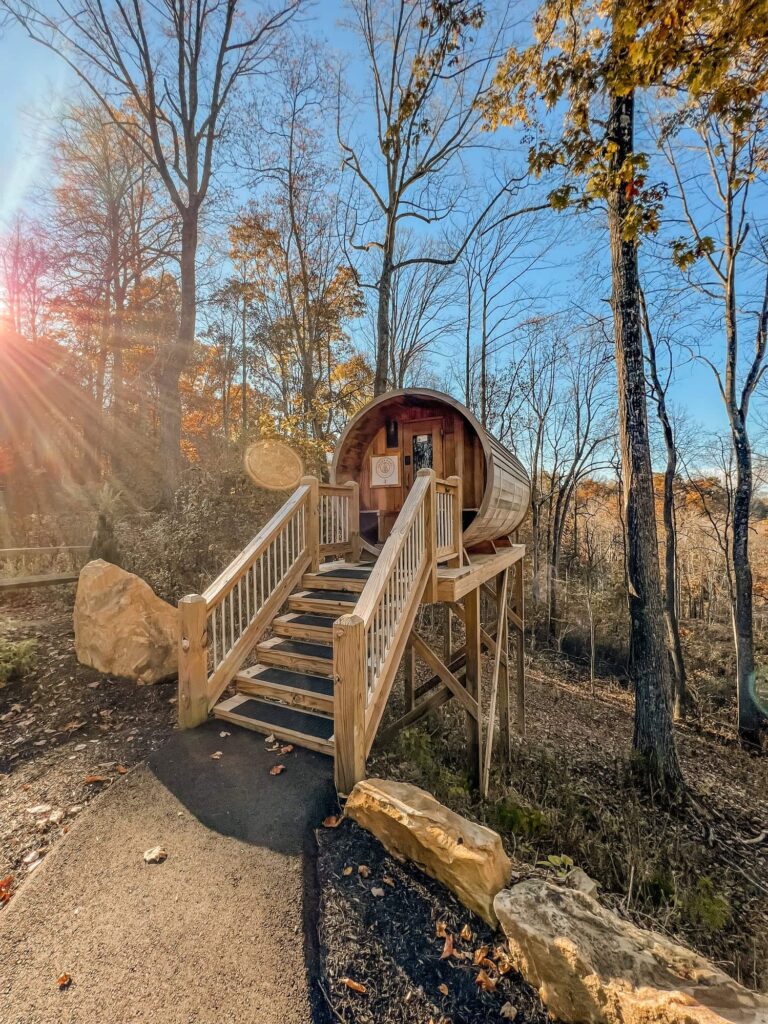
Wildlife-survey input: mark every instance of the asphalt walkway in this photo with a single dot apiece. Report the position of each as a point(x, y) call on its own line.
point(222, 931)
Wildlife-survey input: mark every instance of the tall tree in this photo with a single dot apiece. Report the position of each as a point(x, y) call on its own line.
point(179, 63)
point(715, 256)
point(427, 67)
point(593, 58)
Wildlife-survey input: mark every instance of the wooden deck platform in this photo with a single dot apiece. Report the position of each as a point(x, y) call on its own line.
point(453, 584)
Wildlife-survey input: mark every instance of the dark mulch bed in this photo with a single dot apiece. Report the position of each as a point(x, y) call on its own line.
point(390, 944)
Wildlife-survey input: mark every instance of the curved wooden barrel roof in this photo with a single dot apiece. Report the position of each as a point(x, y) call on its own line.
point(506, 487)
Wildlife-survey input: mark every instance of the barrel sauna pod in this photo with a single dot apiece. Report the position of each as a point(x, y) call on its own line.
point(398, 433)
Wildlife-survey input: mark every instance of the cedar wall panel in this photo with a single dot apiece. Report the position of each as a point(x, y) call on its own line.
point(496, 488)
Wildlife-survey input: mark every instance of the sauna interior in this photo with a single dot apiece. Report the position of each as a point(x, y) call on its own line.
point(392, 438)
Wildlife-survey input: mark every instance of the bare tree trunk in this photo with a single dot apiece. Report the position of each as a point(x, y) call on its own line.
point(175, 362)
point(653, 735)
point(244, 372)
point(383, 341)
point(749, 712)
point(680, 695)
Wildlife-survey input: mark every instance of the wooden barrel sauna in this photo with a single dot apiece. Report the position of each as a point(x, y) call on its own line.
point(395, 435)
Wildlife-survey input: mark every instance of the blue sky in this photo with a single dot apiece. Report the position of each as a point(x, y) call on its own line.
point(32, 78)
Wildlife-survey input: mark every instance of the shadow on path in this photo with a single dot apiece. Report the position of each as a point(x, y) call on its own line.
point(236, 796)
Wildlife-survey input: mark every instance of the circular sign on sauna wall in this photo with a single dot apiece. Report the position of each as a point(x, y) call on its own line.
point(274, 465)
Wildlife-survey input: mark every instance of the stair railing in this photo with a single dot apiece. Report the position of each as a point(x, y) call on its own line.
point(339, 519)
point(218, 628)
point(368, 644)
point(448, 524)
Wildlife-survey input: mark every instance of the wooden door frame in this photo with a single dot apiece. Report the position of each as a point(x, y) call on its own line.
point(424, 426)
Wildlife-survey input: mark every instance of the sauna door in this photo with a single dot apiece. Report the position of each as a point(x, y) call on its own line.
point(422, 449)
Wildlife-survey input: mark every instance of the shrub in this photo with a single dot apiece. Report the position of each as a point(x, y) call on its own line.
point(16, 659)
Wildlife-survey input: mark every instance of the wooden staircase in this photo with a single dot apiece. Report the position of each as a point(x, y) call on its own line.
point(289, 693)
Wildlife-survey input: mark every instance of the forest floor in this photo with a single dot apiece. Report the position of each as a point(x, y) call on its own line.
point(697, 871)
point(66, 731)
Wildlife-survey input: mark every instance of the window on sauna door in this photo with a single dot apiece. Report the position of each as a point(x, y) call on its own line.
point(422, 452)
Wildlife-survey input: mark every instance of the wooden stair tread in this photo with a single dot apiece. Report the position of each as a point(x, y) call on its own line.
point(303, 727)
point(277, 676)
point(304, 626)
point(347, 572)
point(301, 648)
point(346, 596)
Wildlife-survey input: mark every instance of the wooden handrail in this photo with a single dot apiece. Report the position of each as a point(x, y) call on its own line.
point(218, 629)
point(368, 643)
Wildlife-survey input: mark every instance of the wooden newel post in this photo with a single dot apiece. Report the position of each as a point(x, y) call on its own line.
point(193, 661)
point(349, 695)
point(354, 519)
point(458, 522)
point(430, 534)
point(313, 521)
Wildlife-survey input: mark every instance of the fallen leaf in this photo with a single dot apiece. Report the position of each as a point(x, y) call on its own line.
point(277, 769)
point(91, 780)
point(480, 955)
point(63, 981)
point(40, 809)
point(156, 855)
point(508, 1011)
point(122, 770)
point(223, 734)
point(354, 985)
point(440, 930)
point(363, 870)
point(216, 755)
point(269, 739)
point(5, 888)
point(347, 872)
point(377, 891)
point(443, 988)
point(447, 947)
point(71, 726)
point(466, 933)
point(486, 983)
point(286, 749)
point(332, 821)
point(388, 881)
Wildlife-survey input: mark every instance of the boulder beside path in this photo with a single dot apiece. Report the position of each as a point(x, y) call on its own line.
point(467, 858)
point(122, 627)
point(593, 967)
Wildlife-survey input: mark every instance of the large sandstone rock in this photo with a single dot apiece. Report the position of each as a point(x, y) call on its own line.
point(591, 966)
point(122, 627)
point(467, 858)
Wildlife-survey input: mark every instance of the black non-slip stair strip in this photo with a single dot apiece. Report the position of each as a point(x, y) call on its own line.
point(297, 680)
point(313, 621)
point(307, 648)
point(345, 574)
point(282, 717)
point(329, 595)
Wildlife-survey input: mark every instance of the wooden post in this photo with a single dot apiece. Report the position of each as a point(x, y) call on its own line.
point(349, 696)
point(501, 614)
point(505, 719)
point(447, 634)
point(430, 534)
point(458, 532)
point(409, 676)
point(473, 683)
point(313, 521)
point(193, 661)
point(520, 609)
point(354, 520)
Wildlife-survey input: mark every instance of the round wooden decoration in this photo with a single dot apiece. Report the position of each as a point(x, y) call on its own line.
point(274, 465)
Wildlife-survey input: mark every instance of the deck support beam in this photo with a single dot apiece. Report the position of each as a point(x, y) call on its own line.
point(473, 684)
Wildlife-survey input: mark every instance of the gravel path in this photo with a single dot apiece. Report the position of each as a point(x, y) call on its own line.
point(215, 933)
